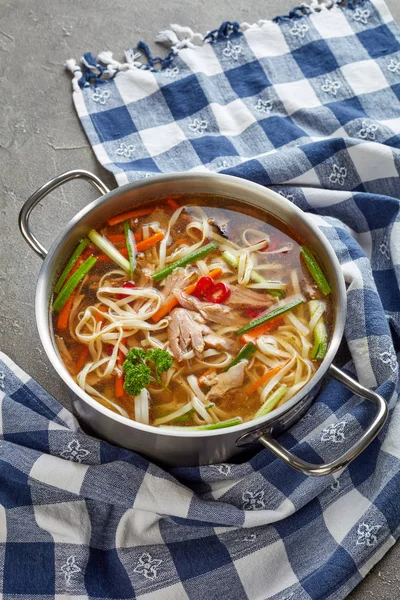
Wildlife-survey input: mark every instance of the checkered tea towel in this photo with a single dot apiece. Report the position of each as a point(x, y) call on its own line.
point(309, 103)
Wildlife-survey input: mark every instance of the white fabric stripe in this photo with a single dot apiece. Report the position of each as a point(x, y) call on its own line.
point(59, 473)
point(2, 396)
point(24, 377)
point(66, 522)
point(3, 525)
point(341, 516)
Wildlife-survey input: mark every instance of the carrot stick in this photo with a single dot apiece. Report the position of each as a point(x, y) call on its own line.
point(102, 308)
point(119, 379)
point(140, 212)
point(172, 203)
point(265, 377)
point(262, 329)
point(150, 242)
point(80, 363)
point(63, 315)
point(172, 302)
point(119, 238)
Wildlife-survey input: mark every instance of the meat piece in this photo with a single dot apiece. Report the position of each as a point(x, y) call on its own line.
point(219, 342)
point(227, 381)
point(242, 296)
point(217, 313)
point(185, 334)
point(177, 280)
point(65, 354)
point(158, 216)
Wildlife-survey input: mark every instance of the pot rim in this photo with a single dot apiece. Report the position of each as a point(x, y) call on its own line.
point(45, 330)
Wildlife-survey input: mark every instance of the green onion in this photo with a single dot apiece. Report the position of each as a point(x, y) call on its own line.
point(73, 282)
point(78, 251)
point(186, 260)
point(207, 427)
point(131, 245)
point(244, 354)
point(107, 247)
point(183, 418)
point(232, 260)
point(316, 271)
point(320, 347)
point(270, 315)
point(271, 402)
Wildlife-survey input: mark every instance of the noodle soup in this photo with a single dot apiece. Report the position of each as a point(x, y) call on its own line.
point(192, 311)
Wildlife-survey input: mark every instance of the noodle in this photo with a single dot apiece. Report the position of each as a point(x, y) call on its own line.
point(113, 312)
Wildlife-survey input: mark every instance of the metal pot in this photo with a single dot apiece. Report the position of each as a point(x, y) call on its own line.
point(185, 448)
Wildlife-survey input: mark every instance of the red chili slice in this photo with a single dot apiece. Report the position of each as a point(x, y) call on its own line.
point(203, 286)
point(127, 284)
point(219, 293)
point(207, 290)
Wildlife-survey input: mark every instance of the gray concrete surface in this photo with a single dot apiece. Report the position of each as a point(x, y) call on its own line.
point(40, 136)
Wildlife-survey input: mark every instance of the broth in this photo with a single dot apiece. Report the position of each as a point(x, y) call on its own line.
point(195, 321)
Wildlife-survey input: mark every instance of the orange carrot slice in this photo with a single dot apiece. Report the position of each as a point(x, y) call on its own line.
point(266, 377)
point(139, 212)
point(63, 315)
point(80, 363)
point(150, 241)
point(172, 203)
point(262, 329)
point(119, 238)
point(119, 380)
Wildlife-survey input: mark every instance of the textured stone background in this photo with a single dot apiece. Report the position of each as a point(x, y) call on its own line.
point(40, 137)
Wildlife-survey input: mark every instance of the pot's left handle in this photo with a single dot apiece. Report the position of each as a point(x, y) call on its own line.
point(41, 193)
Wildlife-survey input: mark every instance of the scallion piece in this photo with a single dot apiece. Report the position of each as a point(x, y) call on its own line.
point(270, 315)
point(72, 282)
point(271, 402)
point(186, 260)
point(208, 427)
point(232, 260)
point(77, 252)
point(244, 354)
point(320, 347)
point(131, 246)
point(107, 247)
point(315, 271)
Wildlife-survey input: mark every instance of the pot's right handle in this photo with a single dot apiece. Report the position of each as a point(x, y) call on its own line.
point(366, 438)
point(41, 193)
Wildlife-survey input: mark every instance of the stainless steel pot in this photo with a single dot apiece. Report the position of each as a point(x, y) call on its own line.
point(184, 448)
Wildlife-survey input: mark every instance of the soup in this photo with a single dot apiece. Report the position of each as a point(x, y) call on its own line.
point(192, 311)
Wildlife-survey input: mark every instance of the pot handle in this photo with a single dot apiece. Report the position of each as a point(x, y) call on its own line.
point(339, 463)
point(41, 193)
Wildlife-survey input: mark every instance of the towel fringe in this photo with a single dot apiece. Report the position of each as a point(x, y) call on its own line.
point(177, 37)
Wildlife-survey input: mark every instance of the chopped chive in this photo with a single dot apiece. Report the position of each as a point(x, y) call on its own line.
point(109, 249)
point(131, 246)
point(72, 282)
point(186, 260)
point(320, 347)
point(270, 315)
point(207, 427)
point(76, 254)
point(271, 402)
point(244, 354)
point(315, 271)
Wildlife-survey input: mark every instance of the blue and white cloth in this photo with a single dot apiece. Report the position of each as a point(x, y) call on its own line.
point(310, 104)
